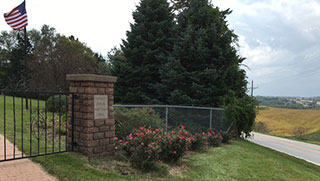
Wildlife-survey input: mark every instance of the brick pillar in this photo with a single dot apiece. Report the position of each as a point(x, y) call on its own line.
point(93, 114)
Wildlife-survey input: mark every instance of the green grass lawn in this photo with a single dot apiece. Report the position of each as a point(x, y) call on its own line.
point(240, 160)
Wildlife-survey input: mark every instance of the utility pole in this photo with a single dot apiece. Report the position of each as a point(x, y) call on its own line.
point(252, 88)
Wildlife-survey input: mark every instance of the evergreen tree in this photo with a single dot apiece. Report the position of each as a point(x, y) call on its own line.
point(204, 65)
point(148, 45)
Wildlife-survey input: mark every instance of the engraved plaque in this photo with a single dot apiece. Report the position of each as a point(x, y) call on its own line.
point(100, 107)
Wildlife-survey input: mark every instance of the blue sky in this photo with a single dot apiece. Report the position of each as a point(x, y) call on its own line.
point(279, 38)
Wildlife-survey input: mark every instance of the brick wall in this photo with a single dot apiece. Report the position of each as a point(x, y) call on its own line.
point(92, 137)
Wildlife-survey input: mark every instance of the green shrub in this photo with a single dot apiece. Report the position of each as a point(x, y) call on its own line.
point(54, 104)
point(142, 148)
point(198, 141)
point(225, 137)
point(174, 145)
point(126, 120)
point(214, 138)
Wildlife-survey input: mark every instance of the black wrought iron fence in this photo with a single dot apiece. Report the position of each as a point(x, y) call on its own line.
point(41, 129)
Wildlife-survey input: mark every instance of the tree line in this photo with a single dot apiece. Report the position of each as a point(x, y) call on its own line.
point(49, 57)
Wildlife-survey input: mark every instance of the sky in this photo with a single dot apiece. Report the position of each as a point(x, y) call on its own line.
point(278, 38)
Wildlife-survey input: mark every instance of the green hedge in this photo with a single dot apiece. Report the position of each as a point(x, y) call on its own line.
point(128, 119)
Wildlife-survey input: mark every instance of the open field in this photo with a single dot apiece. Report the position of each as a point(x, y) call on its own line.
point(283, 122)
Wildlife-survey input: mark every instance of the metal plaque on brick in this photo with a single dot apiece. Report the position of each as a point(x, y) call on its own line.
point(100, 107)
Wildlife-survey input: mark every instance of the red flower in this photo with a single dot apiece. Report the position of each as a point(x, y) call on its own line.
point(174, 152)
point(157, 130)
point(183, 127)
point(126, 142)
point(173, 132)
point(141, 128)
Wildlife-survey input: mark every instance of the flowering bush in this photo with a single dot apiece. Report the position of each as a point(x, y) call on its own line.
point(145, 147)
point(198, 141)
point(214, 138)
point(174, 145)
point(142, 147)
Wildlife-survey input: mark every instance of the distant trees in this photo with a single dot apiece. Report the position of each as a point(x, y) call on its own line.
point(50, 57)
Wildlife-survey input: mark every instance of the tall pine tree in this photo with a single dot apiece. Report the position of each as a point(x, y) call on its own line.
point(148, 45)
point(204, 65)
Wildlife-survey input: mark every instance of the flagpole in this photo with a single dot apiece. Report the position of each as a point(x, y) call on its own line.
point(25, 62)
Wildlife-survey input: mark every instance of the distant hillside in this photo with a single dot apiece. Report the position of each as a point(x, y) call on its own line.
point(290, 102)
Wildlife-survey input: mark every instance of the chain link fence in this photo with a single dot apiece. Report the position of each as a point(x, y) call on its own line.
point(196, 119)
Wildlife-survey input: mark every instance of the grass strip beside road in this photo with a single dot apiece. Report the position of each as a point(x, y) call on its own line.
point(240, 160)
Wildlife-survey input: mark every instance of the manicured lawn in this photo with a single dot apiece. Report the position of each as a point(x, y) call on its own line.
point(240, 160)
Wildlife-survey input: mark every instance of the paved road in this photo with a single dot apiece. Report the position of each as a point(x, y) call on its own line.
point(305, 151)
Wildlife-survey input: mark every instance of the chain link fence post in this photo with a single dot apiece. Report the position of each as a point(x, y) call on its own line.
point(167, 112)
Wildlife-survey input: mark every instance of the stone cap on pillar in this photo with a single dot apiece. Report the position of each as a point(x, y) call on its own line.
point(91, 78)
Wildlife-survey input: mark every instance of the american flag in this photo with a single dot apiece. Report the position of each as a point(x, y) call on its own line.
point(17, 18)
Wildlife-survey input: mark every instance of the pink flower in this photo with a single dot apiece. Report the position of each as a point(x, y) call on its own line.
point(141, 134)
point(174, 152)
point(207, 143)
point(187, 148)
point(137, 134)
point(159, 161)
point(149, 146)
point(126, 142)
point(116, 138)
point(173, 132)
point(157, 130)
point(141, 128)
point(203, 133)
point(131, 138)
point(153, 132)
point(142, 143)
point(183, 127)
point(170, 143)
